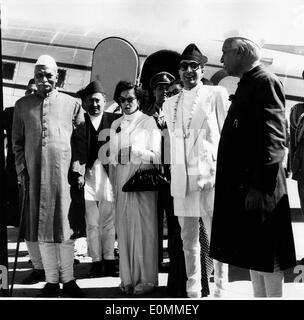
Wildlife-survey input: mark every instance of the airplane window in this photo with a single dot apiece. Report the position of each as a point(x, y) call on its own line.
point(267, 61)
point(61, 78)
point(8, 70)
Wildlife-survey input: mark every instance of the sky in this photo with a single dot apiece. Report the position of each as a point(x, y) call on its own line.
point(271, 21)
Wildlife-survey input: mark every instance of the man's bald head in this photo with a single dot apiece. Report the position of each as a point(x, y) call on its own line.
point(247, 46)
point(240, 55)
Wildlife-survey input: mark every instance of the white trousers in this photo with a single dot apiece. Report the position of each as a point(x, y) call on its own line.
point(34, 253)
point(100, 229)
point(58, 261)
point(191, 247)
point(267, 284)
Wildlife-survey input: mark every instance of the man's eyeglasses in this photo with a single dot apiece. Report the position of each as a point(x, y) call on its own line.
point(173, 92)
point(129, 99)
point(185, 65)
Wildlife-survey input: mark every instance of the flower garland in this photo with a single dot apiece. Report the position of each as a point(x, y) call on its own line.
point(185, 130)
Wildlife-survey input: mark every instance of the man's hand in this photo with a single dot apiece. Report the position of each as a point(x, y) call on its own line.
point(208, 185)
point(257, 200)
point(24, 179)
point(80, 182)
point(77, 180)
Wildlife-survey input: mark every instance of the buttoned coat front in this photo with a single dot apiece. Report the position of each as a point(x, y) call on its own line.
point(193, 159)
point(250, 155)
point(49, 140)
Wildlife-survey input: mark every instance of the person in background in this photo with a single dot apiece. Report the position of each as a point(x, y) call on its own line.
point(160, 84)
point(296, 148)
point(251, 221)
point(12, 191)
point(175, 87)
point(98, 195)
point(296, 151)
point(49, 143)
point(135, 143)
point(31, 87)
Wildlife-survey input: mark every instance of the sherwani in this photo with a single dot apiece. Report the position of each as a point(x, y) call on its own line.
point(49, 140)
point(199, 112)
point(250, 155)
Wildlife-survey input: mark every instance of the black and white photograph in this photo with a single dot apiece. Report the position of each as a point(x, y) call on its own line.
point(152, 153)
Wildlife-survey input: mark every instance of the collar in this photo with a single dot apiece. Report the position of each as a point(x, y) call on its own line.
point(251, 72)
point(194, 90)
point(131, 117)
point(53, 93)
point(95, 120)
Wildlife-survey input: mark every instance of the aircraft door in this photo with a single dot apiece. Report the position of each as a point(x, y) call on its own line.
point(114, 59)
point(222, 78)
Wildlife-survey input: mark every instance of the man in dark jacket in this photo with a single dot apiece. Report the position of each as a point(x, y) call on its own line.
point(251, 220)
point(98, 194)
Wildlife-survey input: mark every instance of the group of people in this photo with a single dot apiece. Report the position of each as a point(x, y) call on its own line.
point(226, 201)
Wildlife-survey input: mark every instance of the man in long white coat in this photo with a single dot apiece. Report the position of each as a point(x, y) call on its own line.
point(194, 118)
point(49, 142)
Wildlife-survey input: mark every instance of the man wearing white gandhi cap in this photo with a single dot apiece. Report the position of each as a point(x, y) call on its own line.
point(49, 142)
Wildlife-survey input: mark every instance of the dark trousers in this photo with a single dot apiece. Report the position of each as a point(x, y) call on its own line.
point(177, 270)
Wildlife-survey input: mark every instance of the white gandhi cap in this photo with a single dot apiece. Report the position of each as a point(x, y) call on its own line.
point(46, 60)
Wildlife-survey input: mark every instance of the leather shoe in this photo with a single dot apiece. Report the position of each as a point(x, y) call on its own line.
point(50, 290)
point(110, 268)
point(35, 276)
point(96, 270)
point(72, 290)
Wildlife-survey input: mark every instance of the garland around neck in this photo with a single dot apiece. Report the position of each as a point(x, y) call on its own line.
point(186, 132)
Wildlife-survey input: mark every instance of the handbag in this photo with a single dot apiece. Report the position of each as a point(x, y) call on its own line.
point(146, 180)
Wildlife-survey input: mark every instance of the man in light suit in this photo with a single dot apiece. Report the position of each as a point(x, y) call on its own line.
point(194, 118)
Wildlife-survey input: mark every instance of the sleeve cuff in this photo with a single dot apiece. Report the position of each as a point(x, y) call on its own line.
point(77, 167)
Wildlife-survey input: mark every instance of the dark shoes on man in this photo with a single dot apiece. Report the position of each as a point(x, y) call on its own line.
point(72, 290)
point(69, 290)
point(50, 290)
point(96, 270)
point(110, 268)
point(35, 276)
point(104, 268)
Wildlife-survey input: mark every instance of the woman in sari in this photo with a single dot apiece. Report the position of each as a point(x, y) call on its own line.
point(135, 143)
